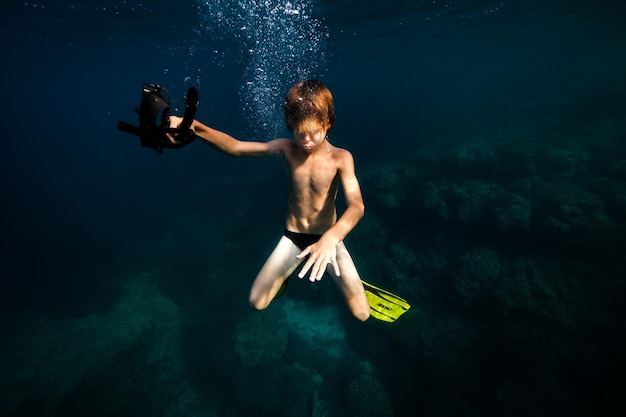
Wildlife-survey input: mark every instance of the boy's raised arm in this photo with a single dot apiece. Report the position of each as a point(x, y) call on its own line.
point(228, 144)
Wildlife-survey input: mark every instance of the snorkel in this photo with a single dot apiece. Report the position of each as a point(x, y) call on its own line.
point(153, 104)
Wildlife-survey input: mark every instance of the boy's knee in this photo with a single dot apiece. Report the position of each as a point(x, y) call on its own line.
point(258, 304)
point(362, 314)
point(359, 307)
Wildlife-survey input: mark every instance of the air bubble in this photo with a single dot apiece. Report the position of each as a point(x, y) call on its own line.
point(282, 44)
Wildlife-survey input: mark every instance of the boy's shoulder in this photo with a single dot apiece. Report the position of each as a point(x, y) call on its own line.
point(280, 146)
point(342, 154)
point(290, 149)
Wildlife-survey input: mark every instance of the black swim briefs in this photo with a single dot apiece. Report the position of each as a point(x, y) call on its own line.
point(301, 240)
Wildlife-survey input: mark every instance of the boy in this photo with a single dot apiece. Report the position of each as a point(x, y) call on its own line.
point(312, 227)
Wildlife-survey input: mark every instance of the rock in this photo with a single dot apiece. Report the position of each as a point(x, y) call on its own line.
point(261, 336)
point(435, 208)
point(514, 162)
point(470, 161)
point(571, 216)
point(390, 185)
point(559, 161)
point(476, 275)
point(471, 201)
point(511, 214)
point(101, 363)
point(367, 397)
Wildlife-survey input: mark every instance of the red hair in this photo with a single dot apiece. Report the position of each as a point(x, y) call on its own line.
point(308, 99)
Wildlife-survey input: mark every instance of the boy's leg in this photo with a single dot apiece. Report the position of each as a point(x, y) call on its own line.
point(278, 267)
point(350, 284)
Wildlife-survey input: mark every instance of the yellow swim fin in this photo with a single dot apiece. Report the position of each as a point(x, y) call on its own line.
point(384, 305)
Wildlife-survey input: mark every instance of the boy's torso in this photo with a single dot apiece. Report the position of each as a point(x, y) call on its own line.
point(314, 181)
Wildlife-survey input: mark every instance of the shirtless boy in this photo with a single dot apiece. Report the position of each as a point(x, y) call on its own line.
point(313, 230)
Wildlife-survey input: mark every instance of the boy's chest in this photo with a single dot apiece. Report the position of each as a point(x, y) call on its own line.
point(315, 176)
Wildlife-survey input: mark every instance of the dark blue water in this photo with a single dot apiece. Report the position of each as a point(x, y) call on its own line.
point(489, 139)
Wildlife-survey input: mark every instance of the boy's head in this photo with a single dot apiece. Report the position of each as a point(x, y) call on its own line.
point(306, 100)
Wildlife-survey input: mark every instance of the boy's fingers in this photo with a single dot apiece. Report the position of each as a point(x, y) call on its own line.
point(321, 267)
point(316, 265)
point(319, 272)
point(304, 253)
point(305, 268)
point(307, 264)
point(335, 265)
point(315, 269)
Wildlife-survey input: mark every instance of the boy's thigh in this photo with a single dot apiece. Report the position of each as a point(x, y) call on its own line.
point(278, 267)
point(281, 262)
point(349, 281)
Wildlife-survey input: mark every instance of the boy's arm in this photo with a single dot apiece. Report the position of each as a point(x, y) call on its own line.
point(324, 251)
point(231, 146)
point(354, 201)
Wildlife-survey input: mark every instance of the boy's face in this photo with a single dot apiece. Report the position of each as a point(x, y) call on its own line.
point(310, 134)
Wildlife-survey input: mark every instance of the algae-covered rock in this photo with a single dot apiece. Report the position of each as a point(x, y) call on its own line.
point(319, 407)
point(367, 397)
point(474, 160)
point(489, 207)
point(261, 336)
point(511, 213)
point(572, 159)
point(542, 290)
point(476, 205)
point(389, 185)
point(615, 169)
point(435, 207)
point(612, 193)
point(101, 364)
point(413, 270)
point(476, 275)
point(571, 216)
point(526, 289)
point(472, 201)
point(514, 162)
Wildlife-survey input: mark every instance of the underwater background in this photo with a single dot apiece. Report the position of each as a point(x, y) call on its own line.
point(490, 143)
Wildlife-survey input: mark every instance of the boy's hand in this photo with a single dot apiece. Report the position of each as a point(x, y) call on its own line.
point(175, 121)
point(320, 254)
